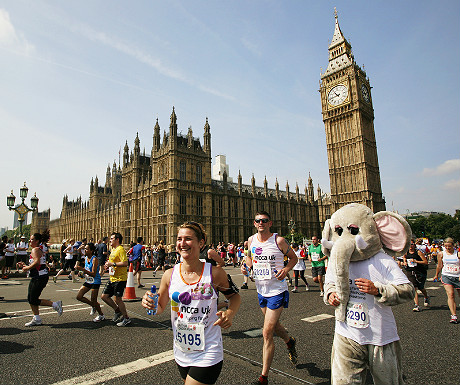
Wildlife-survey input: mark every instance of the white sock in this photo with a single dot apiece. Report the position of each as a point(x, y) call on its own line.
point(55, 305)
point(37, 317)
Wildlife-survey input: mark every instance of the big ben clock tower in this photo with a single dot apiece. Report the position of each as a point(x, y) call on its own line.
point(348, 117)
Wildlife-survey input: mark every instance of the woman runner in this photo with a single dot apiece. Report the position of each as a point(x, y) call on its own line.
point(93, 281)
point(192, 287)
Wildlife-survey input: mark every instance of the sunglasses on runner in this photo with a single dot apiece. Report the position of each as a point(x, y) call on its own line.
point(263, 220)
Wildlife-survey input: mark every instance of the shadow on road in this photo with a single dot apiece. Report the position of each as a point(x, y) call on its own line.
point(14, 331)
point(8, 347)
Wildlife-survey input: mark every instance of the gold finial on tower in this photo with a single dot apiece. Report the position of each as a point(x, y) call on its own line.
point(335, 13)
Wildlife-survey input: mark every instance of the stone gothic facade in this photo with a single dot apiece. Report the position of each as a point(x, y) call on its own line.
point(149, 195)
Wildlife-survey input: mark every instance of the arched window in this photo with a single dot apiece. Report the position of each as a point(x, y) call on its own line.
point(183, 170)
point(199, 172)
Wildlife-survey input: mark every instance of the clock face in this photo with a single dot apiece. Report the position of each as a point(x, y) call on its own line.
point(365, 93)
point(337, 95)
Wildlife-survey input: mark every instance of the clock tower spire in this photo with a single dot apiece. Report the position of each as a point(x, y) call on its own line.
point(348, 117)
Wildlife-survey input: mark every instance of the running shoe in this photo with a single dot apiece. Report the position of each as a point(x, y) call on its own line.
point(291, 350)
point(76, 280)
point(154, 274)
point(124, 322)
point(307, 288)
point(93, 311)
point(34, 322)
point(453, 319)
point(294, 290)
point(140, 286)
point(427, 302)
point(58, 307)
point(262, 380)
point(321, 294)
point(416, 308)
point(244, 286)
point(99, 318)
point(54, 279)
point(117, 317)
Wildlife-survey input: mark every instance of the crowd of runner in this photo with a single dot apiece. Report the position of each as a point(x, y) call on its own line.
point(193, 276)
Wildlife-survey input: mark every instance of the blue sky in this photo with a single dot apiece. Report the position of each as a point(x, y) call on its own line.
point(78, 79)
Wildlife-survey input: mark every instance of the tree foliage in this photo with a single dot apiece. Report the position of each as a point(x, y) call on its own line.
point(298, 238)
point(436, 226)
point(14, 234)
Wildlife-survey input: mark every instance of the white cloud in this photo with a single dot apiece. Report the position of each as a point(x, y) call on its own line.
point(253, 48)
point(447, 167)
point(453, 184)
point(9, 38)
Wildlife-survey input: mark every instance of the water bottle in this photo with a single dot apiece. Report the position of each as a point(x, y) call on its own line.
point(154, 296)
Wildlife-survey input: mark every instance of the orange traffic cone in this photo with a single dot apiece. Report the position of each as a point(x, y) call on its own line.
point(130, 294)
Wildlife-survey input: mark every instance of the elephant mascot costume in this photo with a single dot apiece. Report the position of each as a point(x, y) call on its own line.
point(362, 282)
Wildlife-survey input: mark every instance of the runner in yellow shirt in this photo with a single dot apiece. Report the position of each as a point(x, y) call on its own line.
point(118, 275)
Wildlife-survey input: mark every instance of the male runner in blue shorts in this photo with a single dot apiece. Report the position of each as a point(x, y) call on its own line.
point(266, 256)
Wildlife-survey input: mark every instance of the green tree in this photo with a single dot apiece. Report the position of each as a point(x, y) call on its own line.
point(14, 234)
point(298, 238)
point(436, 226)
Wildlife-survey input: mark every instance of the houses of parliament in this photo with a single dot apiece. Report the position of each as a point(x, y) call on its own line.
point(149, 195)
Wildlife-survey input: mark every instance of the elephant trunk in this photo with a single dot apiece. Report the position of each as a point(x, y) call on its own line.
point(340, 258)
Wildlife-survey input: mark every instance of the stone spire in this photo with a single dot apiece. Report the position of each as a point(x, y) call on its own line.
point(173, 129)
point(190, 137)
point(156, 137)
point(207, 138)
point(277, 188)
point(126, 154)
point(108, 175)
point(240, 182)
point(253, 185)
point(137, 148)
point(340, 53)
point(311, 194)
point(265, 186)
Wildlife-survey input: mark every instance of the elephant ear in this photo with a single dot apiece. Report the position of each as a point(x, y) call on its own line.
point(394, 231)
point(326, 240)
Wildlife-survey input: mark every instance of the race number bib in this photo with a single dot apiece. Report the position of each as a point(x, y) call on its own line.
point(315, 257)
point(111, 270)
point(452, 268)
point(189, 337)
point(262, 271)
point(357, 315)
point(411, 263)
point(89, 279)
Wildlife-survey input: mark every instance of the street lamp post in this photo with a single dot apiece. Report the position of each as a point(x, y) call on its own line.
point(291, 225)
point(22, 209)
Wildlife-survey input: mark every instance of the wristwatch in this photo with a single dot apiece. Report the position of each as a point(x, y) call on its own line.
point(114, 264)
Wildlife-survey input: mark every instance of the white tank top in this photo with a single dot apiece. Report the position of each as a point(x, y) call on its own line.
point(451, 264)
point(194, 317)
point(266, 258)
point(300, 265)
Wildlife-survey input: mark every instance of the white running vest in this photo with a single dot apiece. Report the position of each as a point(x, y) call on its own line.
point(195, 317)
point(450, 264)
point(266, 258)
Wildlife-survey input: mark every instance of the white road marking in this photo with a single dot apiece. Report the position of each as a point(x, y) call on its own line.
point(317, 318)
point(9, 282)
point(433, 288)
point(14, 315)
point(125, 369)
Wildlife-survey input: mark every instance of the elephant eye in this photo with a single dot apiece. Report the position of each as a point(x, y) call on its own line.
point(354, 230)
point(338, 230)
